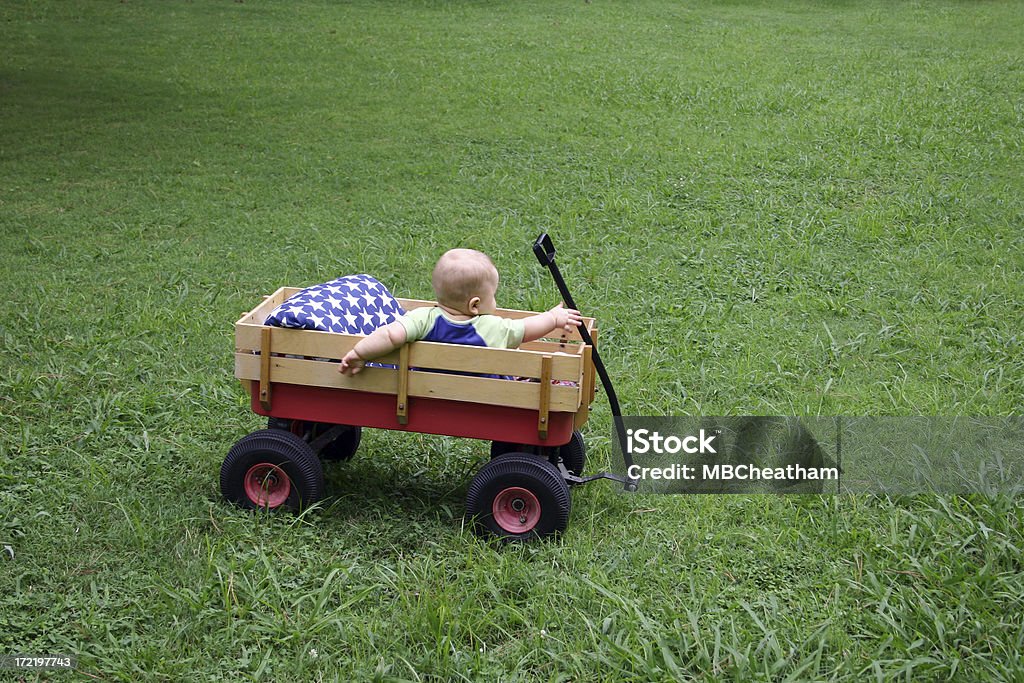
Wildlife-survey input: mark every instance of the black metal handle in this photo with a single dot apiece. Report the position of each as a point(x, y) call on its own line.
point(544, 249)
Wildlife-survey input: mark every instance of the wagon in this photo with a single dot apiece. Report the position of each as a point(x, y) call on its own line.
point(528, 402)
point(531, 415)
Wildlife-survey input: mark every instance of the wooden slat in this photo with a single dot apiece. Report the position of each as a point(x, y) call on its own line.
point(258, 314)
point(299, 342)
point(402, 409)
point(586, 387)
point(265, 364)
point(499, 392)
point(385, 381)
point(544, 410)
point(318, 374)
point(548, 346)
point(512, 362)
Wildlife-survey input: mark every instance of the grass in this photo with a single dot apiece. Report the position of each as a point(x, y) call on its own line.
point(806, 208)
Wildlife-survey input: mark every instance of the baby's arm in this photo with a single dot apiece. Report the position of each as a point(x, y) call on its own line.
point(537, 326)
point(381, 341)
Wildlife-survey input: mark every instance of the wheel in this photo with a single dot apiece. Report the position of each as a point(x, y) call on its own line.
point(270, 469)
point(499, 448)
point(573, 454)
point(518, 496)
point(297, 427)
point(342, 448)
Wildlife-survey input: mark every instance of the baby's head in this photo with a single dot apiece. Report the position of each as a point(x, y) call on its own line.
point(466, 280)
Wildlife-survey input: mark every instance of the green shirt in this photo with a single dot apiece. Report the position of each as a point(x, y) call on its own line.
point(430, 323)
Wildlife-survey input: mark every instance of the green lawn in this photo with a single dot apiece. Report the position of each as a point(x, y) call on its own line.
point(792, 208)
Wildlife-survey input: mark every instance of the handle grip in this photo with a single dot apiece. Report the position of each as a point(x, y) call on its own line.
point(544, 250)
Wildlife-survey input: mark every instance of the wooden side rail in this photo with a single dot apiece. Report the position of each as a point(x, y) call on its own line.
point(265, 357)
point(544, 411)
point(499, 392)
point(436, 356)
point(559, 371)
point(402, 410)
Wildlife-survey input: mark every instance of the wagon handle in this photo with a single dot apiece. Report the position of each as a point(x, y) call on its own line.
point(544, 250)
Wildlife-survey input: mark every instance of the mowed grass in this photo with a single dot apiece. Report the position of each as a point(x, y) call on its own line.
point(807, 208)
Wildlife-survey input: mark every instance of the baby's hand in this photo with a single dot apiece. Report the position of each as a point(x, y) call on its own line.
point(351, 364)
point(566, 318)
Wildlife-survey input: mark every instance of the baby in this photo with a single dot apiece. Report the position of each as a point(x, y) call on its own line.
point(465, 283)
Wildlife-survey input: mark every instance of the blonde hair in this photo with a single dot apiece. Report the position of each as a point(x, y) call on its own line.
point(461, 274)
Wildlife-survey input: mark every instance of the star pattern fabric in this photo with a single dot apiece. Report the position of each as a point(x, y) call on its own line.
point(353, 304)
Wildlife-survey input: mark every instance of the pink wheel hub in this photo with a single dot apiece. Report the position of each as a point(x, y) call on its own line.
point(267, 485)
point(516, 510)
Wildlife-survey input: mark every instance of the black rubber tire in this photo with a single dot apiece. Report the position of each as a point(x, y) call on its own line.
point(286, 424)
point(573, 454)
point(519, 470)
point(279, 448)
point(499, 448)
point(341, 449)
point(344, 447)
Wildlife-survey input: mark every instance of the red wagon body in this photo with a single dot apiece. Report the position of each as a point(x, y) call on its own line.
point(293, 374)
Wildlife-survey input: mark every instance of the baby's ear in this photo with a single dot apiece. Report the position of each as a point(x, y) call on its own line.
point(474, 305)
